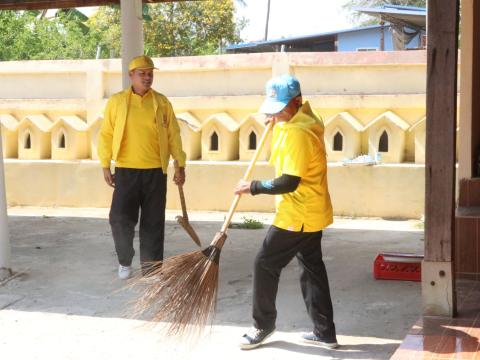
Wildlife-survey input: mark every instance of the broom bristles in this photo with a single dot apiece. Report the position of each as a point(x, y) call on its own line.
point(181, 291)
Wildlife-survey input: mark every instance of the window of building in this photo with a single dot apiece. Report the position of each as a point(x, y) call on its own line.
point(252, 141)
point(214, 142)
point(338, 142)
point(383, 143)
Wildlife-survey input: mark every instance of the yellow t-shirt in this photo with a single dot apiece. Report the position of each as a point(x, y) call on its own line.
point(139, 148)
point(298, 149)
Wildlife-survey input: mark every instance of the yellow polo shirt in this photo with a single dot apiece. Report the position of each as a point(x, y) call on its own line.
point(139, 148)
point(298, 149)
point(114, 123)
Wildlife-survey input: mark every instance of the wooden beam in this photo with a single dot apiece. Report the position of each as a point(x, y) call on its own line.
point(59, 4)
point(441, 128)
point(442, 51)
point(475, 150)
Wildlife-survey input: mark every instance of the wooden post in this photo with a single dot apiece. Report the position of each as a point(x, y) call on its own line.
point(438, 281)
point(475, 134)
point(382, 36)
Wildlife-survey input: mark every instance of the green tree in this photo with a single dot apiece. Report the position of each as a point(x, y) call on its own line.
point(106, 31)
point(13, 35)
point(172, 29)
point(360, 18)
point(26, 35)
point(190, 28)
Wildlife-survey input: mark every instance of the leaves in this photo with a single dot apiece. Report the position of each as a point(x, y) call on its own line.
point(170, 29)
point(190, 28)
point(26, 35)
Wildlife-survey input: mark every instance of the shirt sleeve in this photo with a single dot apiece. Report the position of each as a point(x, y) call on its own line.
point(104, 146)
point(297, 152)
point(280, 185)
point(174, 139)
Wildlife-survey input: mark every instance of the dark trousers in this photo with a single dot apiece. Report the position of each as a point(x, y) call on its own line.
point(278, 249)
point(135, 189)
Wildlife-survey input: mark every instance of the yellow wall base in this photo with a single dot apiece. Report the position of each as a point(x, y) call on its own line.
point(393, 191)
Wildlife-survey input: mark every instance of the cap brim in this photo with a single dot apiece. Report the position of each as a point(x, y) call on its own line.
point(272, 107)
point(143, 68)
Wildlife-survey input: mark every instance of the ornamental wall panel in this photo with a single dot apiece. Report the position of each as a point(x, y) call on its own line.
point(419, 134)
point(9, 130)
point(342, 137)
point(69, 138)
point(220, 138)
point(386, 137)
point(93, 133)
point(190, 132)
point(251, 131)
point(34, 142)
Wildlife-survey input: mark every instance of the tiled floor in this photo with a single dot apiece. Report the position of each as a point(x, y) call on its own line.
point(445, 338)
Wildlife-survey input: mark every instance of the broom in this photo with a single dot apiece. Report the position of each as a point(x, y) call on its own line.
point(183, 220)
point(182, 290)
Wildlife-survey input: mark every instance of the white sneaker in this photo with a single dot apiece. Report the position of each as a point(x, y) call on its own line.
point(124, 272)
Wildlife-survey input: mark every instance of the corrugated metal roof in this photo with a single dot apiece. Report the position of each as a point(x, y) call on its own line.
point(406, 15)
point(318, 36)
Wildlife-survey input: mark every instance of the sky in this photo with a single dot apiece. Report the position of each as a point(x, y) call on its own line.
point(292, 18)
point(287, 18)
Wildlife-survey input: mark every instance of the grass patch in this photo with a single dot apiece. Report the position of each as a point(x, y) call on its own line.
point(419, 225)
point(247, 223)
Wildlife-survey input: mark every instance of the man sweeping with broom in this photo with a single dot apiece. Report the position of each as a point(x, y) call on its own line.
point(303, 210)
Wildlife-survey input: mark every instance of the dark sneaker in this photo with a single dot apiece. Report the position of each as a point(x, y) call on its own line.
point(254, 338)
point(311, 338)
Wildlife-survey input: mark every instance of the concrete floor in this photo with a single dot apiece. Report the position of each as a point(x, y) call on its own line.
point(67, 303)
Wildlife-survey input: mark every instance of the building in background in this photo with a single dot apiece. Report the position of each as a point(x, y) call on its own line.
point(400, 28)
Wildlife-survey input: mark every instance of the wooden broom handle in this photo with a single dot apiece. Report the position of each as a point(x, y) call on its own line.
point(236, 199)
point(182, 196)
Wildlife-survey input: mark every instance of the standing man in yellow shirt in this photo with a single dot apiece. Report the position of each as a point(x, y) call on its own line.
point(303, 210)
point(139, 133)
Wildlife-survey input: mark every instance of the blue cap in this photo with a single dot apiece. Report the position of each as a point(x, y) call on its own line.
point(279, 90)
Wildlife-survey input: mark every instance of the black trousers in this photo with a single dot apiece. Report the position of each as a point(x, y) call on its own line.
point(136, 189)
point(278, 249)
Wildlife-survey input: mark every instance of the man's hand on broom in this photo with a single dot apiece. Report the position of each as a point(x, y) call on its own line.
point(243, 187)
point(179, 177)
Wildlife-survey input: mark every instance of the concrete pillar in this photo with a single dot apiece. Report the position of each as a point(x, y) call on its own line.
point(438, 285)
point(132, 34)
point(5, 270)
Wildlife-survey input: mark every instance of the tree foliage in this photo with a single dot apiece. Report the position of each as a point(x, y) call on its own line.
point(190, 28)
point(360, 18)
point(105, 28)
point(170, 29)
point(27, 36)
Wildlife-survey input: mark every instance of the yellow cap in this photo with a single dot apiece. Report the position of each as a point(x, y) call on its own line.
point(141, 62)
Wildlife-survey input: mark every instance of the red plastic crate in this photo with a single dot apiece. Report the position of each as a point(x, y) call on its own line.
point(398, 266)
